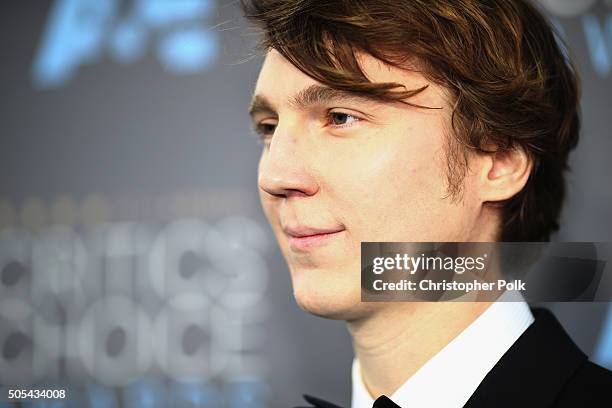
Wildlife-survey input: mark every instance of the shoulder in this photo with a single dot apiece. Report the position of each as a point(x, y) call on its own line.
point(590, 386)
point(544, 368)
point(586, 384)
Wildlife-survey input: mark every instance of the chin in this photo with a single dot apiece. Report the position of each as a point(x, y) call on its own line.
point(328, 295)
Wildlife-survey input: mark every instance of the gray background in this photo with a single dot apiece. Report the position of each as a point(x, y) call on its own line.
point(134, 141)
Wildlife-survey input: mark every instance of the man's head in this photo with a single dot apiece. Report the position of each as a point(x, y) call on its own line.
point(406, 121)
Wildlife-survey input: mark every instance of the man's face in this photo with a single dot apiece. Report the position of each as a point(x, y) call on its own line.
point(337, 170)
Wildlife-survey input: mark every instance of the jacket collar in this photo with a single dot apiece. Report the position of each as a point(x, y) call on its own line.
point(534, 370)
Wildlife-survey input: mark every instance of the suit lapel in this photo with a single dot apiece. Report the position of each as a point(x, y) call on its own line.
point(319, 403)
point(534, 370)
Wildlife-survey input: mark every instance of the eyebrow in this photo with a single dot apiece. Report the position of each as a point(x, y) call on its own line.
point(311, 96)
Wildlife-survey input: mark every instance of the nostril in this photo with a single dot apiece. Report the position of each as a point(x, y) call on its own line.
point(272, 191)
point(286, 192)
point(295, 193)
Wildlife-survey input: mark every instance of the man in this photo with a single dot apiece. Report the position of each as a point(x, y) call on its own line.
point(420, 121)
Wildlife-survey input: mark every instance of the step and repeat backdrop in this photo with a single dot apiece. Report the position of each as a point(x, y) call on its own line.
point(136, 267)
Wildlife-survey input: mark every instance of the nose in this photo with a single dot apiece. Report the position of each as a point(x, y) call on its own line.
point(284, 169)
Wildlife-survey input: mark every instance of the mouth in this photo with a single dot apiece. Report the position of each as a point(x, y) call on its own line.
point(303, 239)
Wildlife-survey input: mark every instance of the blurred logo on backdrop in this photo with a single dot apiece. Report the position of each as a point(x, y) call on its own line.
point(183, 40)
point(135, 301)
point(80, 32)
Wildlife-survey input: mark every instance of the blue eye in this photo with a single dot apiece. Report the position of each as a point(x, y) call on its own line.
point(341, 119)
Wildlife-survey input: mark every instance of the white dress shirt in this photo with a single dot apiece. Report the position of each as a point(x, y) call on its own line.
point(449, 379)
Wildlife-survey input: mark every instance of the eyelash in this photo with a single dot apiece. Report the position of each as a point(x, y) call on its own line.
point(260, 127)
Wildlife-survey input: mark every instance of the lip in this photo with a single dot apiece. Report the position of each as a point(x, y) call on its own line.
point(302, 238)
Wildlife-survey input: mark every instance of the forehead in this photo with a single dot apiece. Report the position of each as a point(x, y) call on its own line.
point(278, 77)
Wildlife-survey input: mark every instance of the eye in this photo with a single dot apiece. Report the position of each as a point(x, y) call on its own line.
point(265, 131)
point(341, 119)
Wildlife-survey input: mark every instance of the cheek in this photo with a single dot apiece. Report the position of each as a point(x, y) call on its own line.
point(396, 192)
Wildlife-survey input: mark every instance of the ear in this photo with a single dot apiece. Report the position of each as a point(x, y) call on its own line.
point(503, 174)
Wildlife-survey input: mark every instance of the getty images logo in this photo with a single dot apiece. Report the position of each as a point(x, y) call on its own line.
point(80, 32)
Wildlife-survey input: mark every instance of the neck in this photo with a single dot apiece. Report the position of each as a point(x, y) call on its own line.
point(392, 343)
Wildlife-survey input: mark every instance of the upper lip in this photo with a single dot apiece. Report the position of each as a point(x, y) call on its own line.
point(300, 231)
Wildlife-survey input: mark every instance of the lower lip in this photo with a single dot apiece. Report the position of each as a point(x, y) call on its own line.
point(302, 244)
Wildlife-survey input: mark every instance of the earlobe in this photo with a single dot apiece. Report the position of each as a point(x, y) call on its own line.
point(505, 174)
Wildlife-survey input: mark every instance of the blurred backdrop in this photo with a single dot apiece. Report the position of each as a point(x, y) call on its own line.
point(136, 268)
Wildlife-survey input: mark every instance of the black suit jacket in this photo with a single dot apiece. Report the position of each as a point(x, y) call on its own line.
point(543, 369)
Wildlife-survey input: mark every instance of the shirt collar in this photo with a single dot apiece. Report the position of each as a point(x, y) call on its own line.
point(449, 378)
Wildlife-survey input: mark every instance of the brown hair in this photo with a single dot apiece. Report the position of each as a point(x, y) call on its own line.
point(511, 85)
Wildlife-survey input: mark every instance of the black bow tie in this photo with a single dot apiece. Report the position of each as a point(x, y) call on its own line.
point(381, 402)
